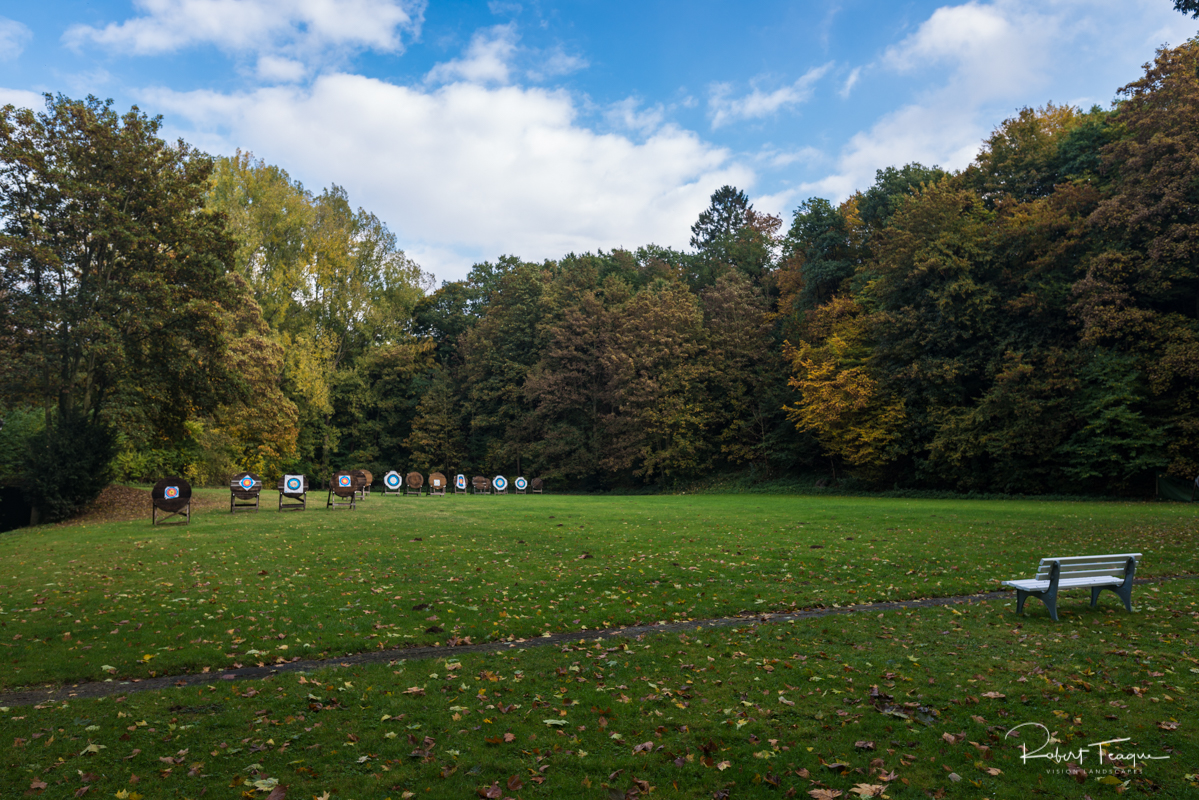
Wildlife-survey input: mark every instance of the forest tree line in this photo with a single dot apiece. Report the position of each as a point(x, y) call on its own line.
point(1027, 324)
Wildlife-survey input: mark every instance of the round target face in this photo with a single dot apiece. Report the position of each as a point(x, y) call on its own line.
point(460, 482)
point(246, 483)
point(171, 492)
point(294, 483)
point(437, 482)
point(392, 480)
point(521, 483)
point(500, 483)
point(344, 481)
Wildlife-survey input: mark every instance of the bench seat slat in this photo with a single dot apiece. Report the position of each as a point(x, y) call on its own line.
point(1082, 573)
point(1033, 585)
point(1085, 565)
point(1064, 560)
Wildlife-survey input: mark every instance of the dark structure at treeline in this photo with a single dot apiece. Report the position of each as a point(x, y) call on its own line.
point(1029, 324)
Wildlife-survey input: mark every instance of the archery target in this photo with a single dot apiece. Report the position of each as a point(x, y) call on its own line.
point(246, 482)
point(171, 492)
point(293, 484)
point(500, 483)
point(521, 484)
point(392, 479)
point(345, 481)
point(436, 482)
point(460, 482)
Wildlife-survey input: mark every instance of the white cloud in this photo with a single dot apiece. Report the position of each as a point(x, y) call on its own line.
point(629, 115)
point(994, 49)
point(487, 59)
point(467, 171)
point(783, 158)
point(725, 109)
point(986, 61)
point(492, 56)
point(22, 99)
point(308, 27)
point(556, 62)
point(276, 69)
point(13, 36)
point(850, 82)
point(500, 8)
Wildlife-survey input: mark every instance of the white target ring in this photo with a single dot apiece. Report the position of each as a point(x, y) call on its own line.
point(521, 484)
point(392, 480)
point(500, 483)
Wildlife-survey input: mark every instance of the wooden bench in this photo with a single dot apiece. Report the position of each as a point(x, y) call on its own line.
point(1114, 572)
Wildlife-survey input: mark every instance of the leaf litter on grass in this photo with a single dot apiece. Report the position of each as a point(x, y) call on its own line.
point(705, 702)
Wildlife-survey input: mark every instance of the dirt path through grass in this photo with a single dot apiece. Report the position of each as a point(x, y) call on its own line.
point(94, 689)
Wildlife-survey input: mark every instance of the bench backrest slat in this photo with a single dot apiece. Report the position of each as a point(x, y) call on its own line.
point(1088, 566)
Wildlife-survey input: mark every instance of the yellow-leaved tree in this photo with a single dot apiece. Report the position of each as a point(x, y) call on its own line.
point(840, 404)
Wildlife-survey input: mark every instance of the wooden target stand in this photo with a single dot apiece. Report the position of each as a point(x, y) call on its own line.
point(437, 484)
point(414, 481)
point(342, 491)
point(293, 493)
point(537, 486)
point(480, 485)
point(244, 489)
point(362, 482)
point(173, 497)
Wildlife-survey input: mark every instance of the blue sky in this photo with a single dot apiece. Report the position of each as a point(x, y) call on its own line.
point(476, 129)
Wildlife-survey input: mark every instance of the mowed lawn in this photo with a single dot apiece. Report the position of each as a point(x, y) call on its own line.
point(127, 600)
point(903, 704)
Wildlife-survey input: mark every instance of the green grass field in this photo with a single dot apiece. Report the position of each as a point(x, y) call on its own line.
point(897, 704)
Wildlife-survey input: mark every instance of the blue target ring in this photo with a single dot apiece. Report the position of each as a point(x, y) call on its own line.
point(500, 483)
point(392, 480)
point(521, 484)
point(293, 484)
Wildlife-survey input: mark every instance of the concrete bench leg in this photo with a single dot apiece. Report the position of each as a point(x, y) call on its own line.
point(1124, 592)
point(1048, 598)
